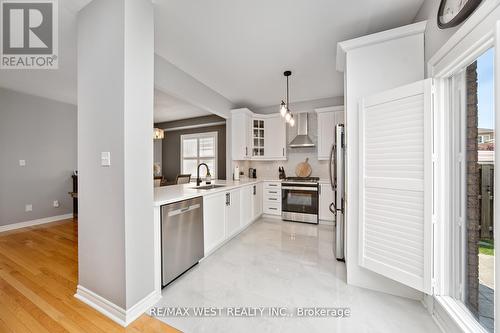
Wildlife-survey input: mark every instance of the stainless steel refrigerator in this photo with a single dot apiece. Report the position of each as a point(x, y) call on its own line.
point(337, 180)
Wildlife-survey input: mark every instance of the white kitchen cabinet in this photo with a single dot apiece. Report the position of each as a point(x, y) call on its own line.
point(257, 137)
point(257, 200)
point(241, 134)
point(272, 198)
point(275, 138)
point(328, 118)
point(214, 220)
point(325, 199)
point(246, 204)
point(233, 212)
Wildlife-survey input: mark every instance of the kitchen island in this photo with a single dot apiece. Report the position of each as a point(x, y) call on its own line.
point(228, 208)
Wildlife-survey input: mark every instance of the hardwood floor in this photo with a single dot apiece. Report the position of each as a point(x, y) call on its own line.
point(38, 278)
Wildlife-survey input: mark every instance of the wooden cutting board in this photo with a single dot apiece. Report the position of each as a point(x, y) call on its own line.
point(303, 169)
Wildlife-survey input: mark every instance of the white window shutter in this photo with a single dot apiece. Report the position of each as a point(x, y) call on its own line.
point(396, 184)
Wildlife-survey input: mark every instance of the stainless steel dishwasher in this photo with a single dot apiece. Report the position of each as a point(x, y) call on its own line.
point(181, 237)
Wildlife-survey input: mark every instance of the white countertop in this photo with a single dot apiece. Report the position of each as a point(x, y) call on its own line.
point(173, 193)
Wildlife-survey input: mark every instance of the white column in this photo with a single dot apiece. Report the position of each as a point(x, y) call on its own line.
point(115, 115)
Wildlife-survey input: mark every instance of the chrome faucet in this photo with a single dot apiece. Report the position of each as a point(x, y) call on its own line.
point(198, 179)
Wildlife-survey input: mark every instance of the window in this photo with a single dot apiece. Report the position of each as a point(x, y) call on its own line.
point(199, 148)
point(473, 275)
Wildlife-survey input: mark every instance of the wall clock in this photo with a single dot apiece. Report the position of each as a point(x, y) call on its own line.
point(453, 12)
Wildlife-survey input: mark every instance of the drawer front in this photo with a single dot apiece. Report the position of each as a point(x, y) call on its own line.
point(273, 199)
point(272, 208)
point(272, 185)
point(272, 192)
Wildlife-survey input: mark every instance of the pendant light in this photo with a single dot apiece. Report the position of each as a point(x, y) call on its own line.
point(284, 109)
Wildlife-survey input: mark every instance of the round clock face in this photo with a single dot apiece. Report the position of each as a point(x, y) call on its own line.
point(451, 8)
point(453, 12)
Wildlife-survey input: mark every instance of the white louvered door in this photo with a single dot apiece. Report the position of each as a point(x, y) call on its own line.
point(396, 184)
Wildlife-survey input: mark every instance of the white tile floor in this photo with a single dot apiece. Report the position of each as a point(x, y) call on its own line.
point(282, 264)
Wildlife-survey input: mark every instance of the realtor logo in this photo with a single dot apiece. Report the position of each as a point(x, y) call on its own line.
point(29, 34)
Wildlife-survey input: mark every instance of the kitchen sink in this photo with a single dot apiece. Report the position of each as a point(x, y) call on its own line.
point(208, 187)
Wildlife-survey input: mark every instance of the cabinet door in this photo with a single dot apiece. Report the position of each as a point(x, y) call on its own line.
point(233, 212)
point(246, 201)
point(275, 138)
point(214, 215)
point(325, 199)
point(241, 135)
point(257, 201)
point(395, 214)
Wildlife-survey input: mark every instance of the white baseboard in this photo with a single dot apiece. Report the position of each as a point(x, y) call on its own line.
point(31, 223)
point(142, 306)
point(114, 312)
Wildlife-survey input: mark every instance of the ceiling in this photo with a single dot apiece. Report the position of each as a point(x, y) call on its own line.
point(239, 48)
point(169, 108)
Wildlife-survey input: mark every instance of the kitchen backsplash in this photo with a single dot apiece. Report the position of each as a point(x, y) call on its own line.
point(269, 169)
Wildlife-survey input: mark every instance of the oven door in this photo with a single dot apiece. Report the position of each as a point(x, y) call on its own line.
point(299, 202)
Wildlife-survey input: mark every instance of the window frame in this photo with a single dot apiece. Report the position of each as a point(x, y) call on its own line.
point(474, 38)
point(199, 136)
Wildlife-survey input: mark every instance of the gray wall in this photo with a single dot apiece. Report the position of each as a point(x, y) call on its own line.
point(42, 132)
point(434, 37)
point(171, 154)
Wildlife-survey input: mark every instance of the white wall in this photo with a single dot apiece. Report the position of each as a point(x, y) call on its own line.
point(43, 133)
point(173, 81)
point(434, 37)
point(115, 114)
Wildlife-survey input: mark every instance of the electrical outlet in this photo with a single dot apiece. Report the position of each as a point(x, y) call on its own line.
point(22, 163)
point(28, 208)
point(56, 203)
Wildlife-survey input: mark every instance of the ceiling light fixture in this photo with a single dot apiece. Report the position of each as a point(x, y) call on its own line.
point(158, 134)
point(284, 107)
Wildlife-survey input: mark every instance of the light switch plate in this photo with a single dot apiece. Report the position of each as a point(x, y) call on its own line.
point(56, 203)
point(105, 158)
point(29, 207)
point(22, 163)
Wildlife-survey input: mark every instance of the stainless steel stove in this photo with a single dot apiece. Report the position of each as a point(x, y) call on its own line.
point(300, 199)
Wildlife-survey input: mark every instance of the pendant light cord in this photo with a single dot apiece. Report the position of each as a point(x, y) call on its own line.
point(287, 93)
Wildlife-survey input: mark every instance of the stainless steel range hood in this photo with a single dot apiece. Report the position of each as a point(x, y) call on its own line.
point(302, 139)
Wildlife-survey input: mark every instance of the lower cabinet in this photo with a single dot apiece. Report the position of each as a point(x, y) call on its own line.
point(257, 200)
point(214, 220)
point(226, 213)
point(246, 205)
point(272, 198)
point(325, 199)
point(233, 212)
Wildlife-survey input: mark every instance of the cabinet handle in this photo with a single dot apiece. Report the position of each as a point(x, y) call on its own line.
point(246, 151)
point(273, 185)
point(254, 190)
point(228, 199)
point(283, 151)
point(274, 192)
point(273, 208)
point(273, 199)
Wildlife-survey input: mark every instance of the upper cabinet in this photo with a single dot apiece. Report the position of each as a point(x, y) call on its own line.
point(328, 118)
point(257, 137)
point(241, 134)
